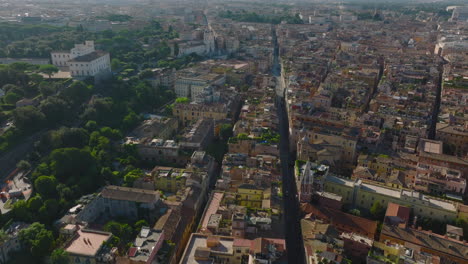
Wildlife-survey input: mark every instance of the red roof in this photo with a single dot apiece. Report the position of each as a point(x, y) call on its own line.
point(260, 245)
point(132, 251)
point(342, 221)
point(240, 242)
point(397, 211)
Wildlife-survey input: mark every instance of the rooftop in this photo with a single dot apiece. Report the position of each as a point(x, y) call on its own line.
point(87, 242)
point(339, 219)
point(397, 213)
point(198, 248)
point(211, 209)
point(145, 243)
point(426, 239)
point(129, 194)
point(90, 57)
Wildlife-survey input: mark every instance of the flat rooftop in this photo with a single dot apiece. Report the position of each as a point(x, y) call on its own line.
point(87, 242)
point(211, 209)
point(199, 241)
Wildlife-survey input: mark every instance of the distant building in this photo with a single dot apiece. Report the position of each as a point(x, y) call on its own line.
point(83, 60)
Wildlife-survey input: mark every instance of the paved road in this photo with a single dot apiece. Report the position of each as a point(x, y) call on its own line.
point(292, 225)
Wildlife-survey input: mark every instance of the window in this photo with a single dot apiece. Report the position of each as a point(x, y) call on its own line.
point(238, 251)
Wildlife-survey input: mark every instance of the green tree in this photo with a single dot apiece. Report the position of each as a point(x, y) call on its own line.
point(55, 109)
point(132, 176)
point(35, 203)
point(47, 89)
point(377, 210)
point(75, 166)
point(59, 256)
point(121, 230)
point(11, 98)
point(139, 224)
point(116, 64)
point(49, 211)
point(225, 131)
point(182, 100)
point(37, 239)
point(48, 69)
point(46, 186)
point(70, 137)
point(130, 121)
point(21, 211)
point(28, 118)
point(113, 134)
point(91, 125)
point(77, 93)
point(146, 74)
point(23, 165)
point(355, 212)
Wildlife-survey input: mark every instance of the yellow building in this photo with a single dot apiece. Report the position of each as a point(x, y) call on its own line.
point(381, 164)
point(169, 179)
point(249, 195)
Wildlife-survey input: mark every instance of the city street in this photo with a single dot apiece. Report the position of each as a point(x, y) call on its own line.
point(292, 225)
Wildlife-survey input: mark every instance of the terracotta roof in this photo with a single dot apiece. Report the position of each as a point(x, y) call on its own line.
point(397, 212)
point(169, 223)
point(444, 158)
point(87, 242)
point(240, 242)
point(341, 220)
point(129, 194)
point(439, 244)
point(260, 245)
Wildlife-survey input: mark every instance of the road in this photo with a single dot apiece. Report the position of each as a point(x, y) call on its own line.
point(292, 226)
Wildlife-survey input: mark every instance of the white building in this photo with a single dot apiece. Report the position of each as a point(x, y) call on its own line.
point(205, 47)
point(83, 60)
point(92, 64)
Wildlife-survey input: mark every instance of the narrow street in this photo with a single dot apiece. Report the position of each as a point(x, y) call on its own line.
point(292, 227)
